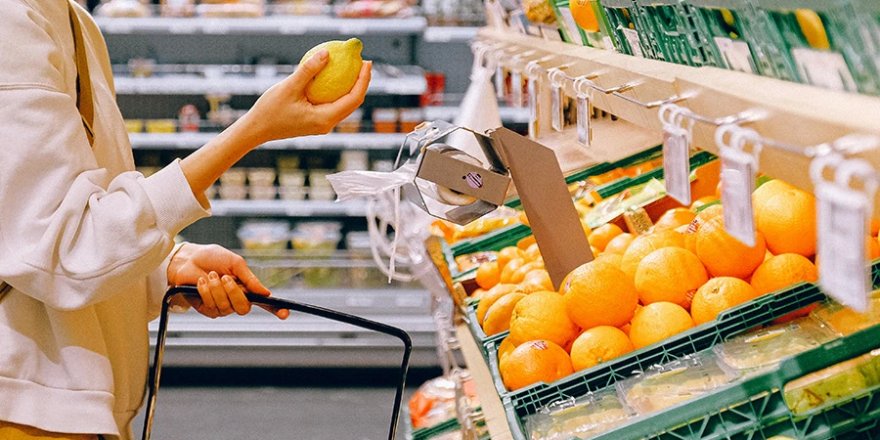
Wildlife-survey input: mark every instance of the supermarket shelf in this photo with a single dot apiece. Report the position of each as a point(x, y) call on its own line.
point(409, 82)
point(261, 340)
point(345, 141)
point(289, 208)
point(449, 34)
point(448, 113)
point(275, 25)
point(795, 115)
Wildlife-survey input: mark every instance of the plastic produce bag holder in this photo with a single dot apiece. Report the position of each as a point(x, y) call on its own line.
point(191, 291)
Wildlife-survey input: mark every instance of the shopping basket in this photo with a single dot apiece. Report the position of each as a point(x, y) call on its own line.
point(191, 291)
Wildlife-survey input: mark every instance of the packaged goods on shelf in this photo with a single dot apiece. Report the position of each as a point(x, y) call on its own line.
point(581, 417)
point(231, 8)
point(122, 8)
point(627, 29)
point(834, 384)
point(264, 235)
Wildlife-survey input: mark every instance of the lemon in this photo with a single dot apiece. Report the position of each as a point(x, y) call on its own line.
point(341, 72)
point(812, 28)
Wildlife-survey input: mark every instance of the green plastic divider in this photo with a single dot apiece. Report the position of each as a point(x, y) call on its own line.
point(572, 32)
point(728, 25)
point(760, 311)
point(669, 26)
point(436, 430)
point(845, 65)
point(627, 29)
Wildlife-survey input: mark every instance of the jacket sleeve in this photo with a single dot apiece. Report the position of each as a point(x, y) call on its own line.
point(71, 232)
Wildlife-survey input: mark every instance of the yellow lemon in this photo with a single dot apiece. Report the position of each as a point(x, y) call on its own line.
point(341, 72)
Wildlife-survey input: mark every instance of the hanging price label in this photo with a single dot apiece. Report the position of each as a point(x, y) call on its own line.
point(500, 91)
point(584, 119)
point(532, 90)
point(516, 89)
point(738, 170)
point(556, 109)
point(843, 215)
point(677, 166)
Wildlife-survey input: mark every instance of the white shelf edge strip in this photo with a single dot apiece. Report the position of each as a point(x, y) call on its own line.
point(291, 208)
point(348, 141)
point(196, 85)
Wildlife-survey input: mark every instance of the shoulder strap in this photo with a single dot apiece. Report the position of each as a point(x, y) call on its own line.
point(84, 100)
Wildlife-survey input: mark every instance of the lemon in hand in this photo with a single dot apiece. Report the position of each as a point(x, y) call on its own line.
point(341, 72)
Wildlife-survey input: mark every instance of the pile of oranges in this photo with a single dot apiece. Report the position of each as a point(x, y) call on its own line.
point(640, 290)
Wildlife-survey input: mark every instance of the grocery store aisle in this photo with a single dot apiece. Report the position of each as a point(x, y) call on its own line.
point(354, 411)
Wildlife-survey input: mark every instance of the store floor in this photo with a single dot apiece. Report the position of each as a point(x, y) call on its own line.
point(202, 409)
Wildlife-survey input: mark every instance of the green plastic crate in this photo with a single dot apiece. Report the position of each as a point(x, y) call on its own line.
point(669, 26)
point(728, 25)
point(842, 66)
point(867, 29)
point(734, 321)
point(436, 430)
point(625, 27)
point(755, 408)
point(477, 332)
point(573, 33)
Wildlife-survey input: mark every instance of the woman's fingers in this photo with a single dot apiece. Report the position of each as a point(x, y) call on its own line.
point(236, 296)
point(208, 307)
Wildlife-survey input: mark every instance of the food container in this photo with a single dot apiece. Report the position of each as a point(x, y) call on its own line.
point(288, 163)
point(234, 176)
point(582, 417)
point(410, 118)
point(161, 126)
point(833, 384)
point(759, 350)
point(264, 235)
point(292, 178)
point(261, 176)
point(134, 125)
point(354, 160)
point(319, 240)
point(385, 120)
point(233, 192)
point(322, 193)
point(318, 178)
point(846, 321)
point(292, 192)
point(385, 166)
point(352, 123)
point(672, 383)
point(262, 192)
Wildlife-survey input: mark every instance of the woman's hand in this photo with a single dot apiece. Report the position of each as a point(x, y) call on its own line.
point(219, 274)
point(283, 111)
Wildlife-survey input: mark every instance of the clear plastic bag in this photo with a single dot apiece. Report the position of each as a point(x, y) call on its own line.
point(583, 417)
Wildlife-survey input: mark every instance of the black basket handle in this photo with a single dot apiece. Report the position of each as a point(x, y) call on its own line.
point(191, 291)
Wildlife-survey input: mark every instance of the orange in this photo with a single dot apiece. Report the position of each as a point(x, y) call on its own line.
point(872, 247)
point(781, 271)
point(584, 15)
point(539, 278)
point(524, 243)
point(766, 192)
point(505, 348)
point(670, 274)
point(477, 294)
point(598, 293)
point(619, 244)
point(489, 298)
point(597, 345)
point(532, 362)
point(875, 226)
point(703, 201)
point(788, 222)
point(720, 294)
point(532, 252)
point(603, 234)
point(724, 255)
point(542, 315)
point(690, 234)
point(508, 270)
point(658, 321)
point(674, 218)
point(507, 254)
point(613, 259)
point(644, 245)
point(488, 275)
point(520, 274)
point(523, 218)
point(497, 318)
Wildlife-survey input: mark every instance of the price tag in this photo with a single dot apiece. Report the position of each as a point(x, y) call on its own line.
point(584, 119)
point(532, 90)
point(737, 54)
point(843, 273)
point(824, 69)
point(557, 112)
point(632, 38)
point(499, 82)
point(738, 182)
point(677, 164)
point(516, 89)
point(571, 29)
point(609, 43)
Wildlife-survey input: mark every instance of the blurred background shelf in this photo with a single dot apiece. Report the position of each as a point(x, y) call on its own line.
point(273, 25)
point(345, 141)
point(289, 208)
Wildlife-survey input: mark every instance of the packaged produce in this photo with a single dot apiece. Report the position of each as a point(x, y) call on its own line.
point(846, 321)
point(608, 209)
point(833, 384)
point(434, 402)
point(316, 237)
point(470, 261)
point(231, 8)
point(672, 383)
point(755, 351)
point(122, 8)
point(262, 235)
point(583, 417)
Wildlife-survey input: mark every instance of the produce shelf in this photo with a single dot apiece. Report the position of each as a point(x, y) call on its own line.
point(273, 25)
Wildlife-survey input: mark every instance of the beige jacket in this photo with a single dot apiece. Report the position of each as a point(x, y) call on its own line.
point(84, 239)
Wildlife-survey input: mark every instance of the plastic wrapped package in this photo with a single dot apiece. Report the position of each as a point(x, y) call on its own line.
point(122, 8)
point(669, 384)
point(264, 235)
point(231, 8)
point(581, 418)
point(434, 402)
point(833, 384)
point(846, 321)
point(470, 261)
point(756, 351)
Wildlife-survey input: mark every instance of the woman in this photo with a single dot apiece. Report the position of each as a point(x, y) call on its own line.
point(86, 243)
